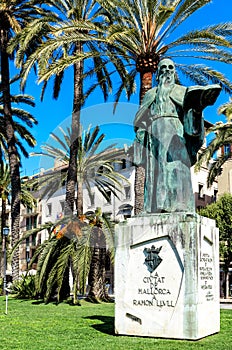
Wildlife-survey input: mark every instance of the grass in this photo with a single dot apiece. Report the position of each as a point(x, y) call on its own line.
point(35, 326)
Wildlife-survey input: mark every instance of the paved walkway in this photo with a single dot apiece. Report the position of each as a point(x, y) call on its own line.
point(226, 303)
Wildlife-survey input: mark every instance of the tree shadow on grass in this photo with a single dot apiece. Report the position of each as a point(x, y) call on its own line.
point(38, 302)
point(107, 325)
point(26, 300)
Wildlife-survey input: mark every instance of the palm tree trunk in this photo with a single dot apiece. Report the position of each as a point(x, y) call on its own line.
point(3, 224)
point(145, 85)
point(12, 154)
point(75, 136)
point(79, 202)
point(96, 278)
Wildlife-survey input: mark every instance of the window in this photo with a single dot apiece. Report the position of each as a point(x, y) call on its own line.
point(62, 206)
point(29, 223)
point(123, 163)
point(29, 210)
point(127, 190)
point(33, 239)
point(33, 250)
point(49, 209)
point(34, 221)
point(215, 192)
point(201, 191)
point(226, 149)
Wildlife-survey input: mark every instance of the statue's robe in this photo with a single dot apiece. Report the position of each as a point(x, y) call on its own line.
point(166, 145)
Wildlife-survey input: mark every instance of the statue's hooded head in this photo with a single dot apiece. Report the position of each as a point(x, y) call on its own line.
point(166, 67)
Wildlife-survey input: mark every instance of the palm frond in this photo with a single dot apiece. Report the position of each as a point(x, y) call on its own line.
point(216, 168)
point(202, 74)
point(223, 136)
point(29, 233)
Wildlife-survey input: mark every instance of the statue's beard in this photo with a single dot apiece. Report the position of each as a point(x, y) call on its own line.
point(166, 78)
point(166, 84)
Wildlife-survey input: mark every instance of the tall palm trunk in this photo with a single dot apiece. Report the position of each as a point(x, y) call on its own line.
point(96, 278)
point(145, 85)
point(79, 201)
point(3, 224)
point(75, 136)
point(12, 152)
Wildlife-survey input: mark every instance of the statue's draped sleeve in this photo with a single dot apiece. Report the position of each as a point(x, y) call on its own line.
point(195, 100)
point(193, 133)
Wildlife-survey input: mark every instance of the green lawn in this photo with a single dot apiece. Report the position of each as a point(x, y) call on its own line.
point(32, 325)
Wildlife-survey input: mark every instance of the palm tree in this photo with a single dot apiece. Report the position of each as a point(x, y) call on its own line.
point(84, 237)
point(95, 166)
point(66, 45)
point(14, 15)
point(101, 239)
point(54, 259)
point(12, 154)
point(143, 32)
point(4, 195)
point(74, 245)
point(27, 198)
point(137, 35)
point(4, 192)
point(223, 137)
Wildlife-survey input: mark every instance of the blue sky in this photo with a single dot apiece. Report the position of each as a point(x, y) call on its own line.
point(52, 113)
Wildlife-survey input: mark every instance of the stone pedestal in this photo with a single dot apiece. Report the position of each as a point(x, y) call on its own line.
point(167, 276)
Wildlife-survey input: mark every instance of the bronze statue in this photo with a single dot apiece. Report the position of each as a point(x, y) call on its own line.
point(169, 132)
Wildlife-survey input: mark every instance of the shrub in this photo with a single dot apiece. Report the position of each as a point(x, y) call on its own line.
point(24, 288)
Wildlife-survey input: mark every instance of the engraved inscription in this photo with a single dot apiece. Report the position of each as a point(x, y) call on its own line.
point(153, 291)
point(206, 275)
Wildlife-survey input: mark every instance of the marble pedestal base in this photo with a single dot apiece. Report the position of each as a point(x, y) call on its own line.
point(167, 276)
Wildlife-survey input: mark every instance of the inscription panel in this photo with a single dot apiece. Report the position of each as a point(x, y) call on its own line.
point(156, 280)
point(154, 291)
point(207, 274)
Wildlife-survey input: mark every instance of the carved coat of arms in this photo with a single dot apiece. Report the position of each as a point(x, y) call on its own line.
point(152, 258)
